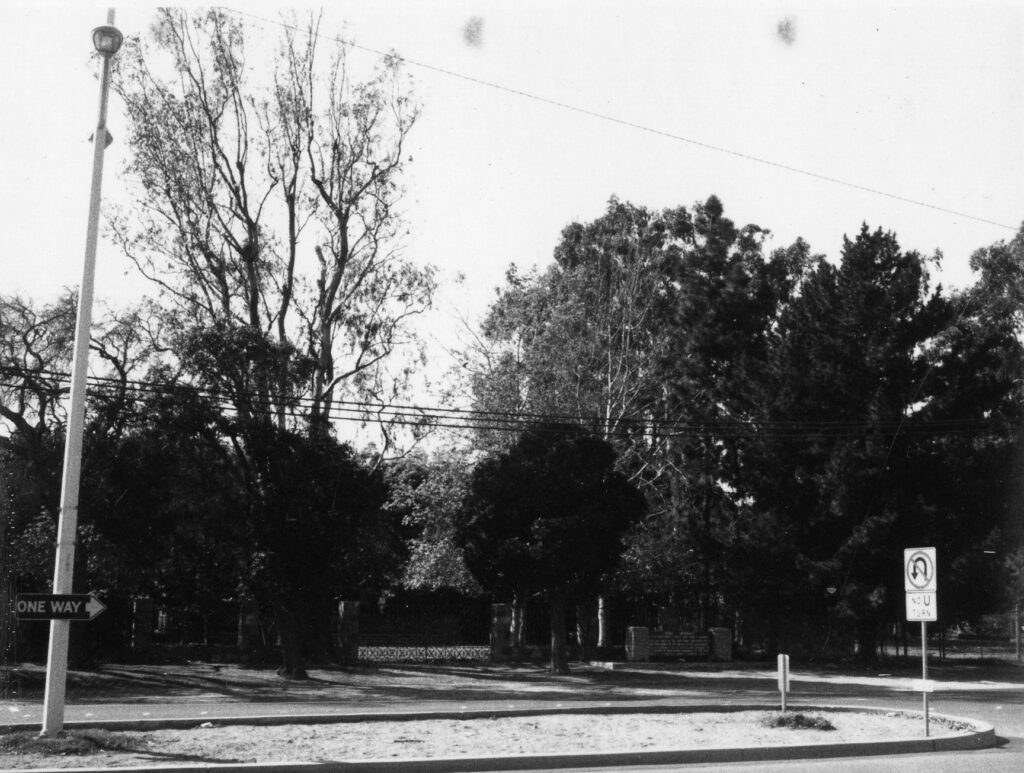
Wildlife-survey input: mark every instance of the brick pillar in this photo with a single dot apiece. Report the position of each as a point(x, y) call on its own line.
point(638, 644)
point(501, 631)
point(348, 631)
point(721, 643)
point(142, 624)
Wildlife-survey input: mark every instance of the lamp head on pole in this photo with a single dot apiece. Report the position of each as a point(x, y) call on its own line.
point(107, 40)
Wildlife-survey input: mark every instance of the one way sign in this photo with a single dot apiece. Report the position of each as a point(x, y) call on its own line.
point(44, 606)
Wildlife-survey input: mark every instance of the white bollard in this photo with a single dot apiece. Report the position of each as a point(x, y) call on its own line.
point(783, 678)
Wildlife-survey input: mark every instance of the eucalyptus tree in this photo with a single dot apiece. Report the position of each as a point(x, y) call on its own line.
point(647, 331)
point(267, 215)
point(267, 212)
point(576, 343)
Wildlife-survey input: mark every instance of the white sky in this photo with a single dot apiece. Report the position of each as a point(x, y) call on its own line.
point(922, 100)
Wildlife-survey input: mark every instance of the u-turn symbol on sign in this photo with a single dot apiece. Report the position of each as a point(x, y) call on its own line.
point(919, 571)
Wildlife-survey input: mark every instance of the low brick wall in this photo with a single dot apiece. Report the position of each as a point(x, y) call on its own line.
point(680, 645)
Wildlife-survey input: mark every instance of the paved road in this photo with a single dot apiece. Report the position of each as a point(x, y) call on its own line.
point(962, 692)
point(984, 761)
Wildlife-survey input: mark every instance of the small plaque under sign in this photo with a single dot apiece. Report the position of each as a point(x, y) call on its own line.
point(922, 606)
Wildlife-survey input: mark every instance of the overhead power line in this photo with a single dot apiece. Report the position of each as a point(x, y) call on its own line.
point(437, 417)
point(633, 124)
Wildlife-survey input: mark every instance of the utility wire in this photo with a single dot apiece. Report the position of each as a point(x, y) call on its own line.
point(429, 421)
point(352, 406)
point(508, 421)
point(630, 124)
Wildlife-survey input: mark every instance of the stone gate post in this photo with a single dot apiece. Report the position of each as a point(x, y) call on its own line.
point(142, 624)
point(348, 631)
point(501, 631)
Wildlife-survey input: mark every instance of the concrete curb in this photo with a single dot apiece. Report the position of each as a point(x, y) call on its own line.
point(268, 720)
point(982, 737)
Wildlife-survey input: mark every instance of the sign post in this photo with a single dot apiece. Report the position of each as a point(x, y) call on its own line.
point(783, 661)
point(920, 581)
point(924, 673)
point(106, 40)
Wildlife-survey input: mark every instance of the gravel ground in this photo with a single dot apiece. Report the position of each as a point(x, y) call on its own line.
point(470, 738)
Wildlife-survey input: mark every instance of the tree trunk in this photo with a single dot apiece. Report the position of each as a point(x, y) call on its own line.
point(602, 622)
point(559, 658)
point(518, 619)
point(1016, 629)
point(294, 663)
point(583, 630)
point(867, 641)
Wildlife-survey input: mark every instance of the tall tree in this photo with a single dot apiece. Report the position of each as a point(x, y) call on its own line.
point(268, 219)
point(268, 214)
point(832, 462)
point(721, 299)
point(970, 474)
point(645, 330)
point(574, 343)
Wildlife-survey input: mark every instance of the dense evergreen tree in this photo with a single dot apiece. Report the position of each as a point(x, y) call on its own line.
point(717, 317)
point(547, 516)
point(861, 430)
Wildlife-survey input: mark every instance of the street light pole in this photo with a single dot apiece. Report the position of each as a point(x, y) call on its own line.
point(107, 40)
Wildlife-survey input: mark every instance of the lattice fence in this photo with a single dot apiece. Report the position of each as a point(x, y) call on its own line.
point(385, 653)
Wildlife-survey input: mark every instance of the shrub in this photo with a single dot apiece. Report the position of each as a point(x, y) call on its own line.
point(798, 722)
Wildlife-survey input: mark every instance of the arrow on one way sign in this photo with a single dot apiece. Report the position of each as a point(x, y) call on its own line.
point(49, 606)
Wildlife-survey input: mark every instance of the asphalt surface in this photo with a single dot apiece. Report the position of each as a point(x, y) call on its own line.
point(993, 693)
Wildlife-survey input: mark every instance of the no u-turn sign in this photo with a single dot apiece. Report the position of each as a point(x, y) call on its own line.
point(919, 575)
point(920, 581)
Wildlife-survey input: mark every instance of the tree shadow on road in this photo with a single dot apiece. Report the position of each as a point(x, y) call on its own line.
point(405, 686)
